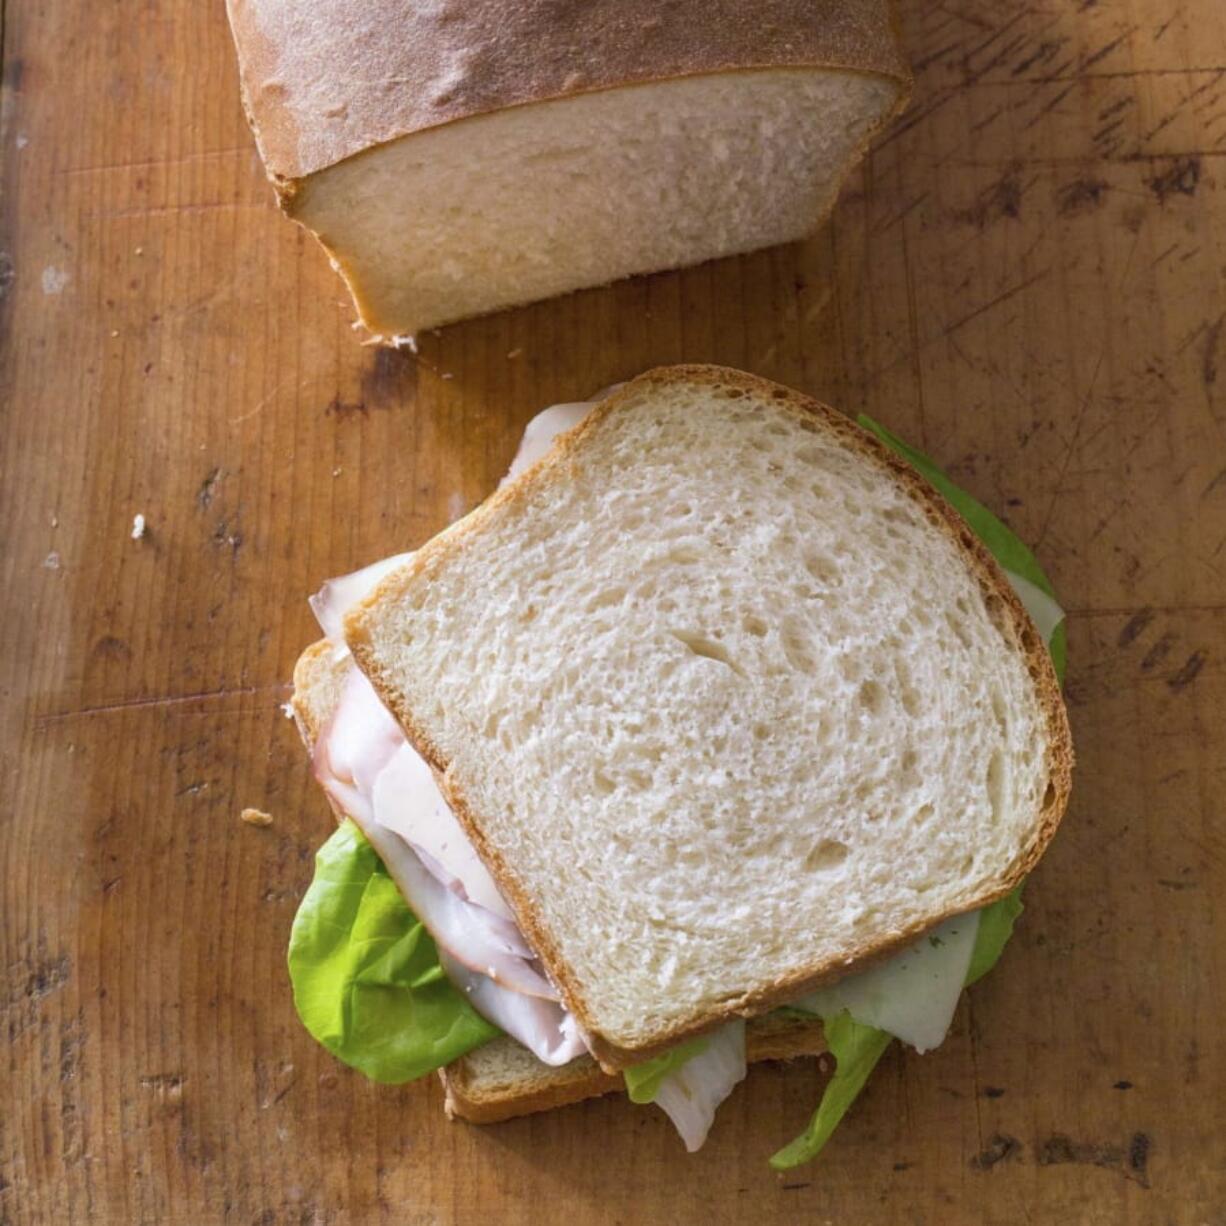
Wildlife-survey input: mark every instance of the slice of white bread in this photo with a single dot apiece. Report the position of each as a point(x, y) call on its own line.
point(461, 158)
point(502, 1079)
point(729, 700)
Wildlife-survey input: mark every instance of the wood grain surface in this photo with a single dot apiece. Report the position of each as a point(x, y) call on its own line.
point(1027, 278)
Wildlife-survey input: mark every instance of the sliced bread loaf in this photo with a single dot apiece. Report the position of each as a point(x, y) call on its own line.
point(459, 157)
point(728, 699)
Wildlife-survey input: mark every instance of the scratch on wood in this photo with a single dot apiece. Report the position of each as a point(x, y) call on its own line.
point(151, 163)
point(1002, 199)
point(1012, 292)
point(1079, 196)
point(912, 119)
point(1208, 369)
point(1102, 53)
point(1042, 53)
point(902, 213)
point(1158, 652)
point(171, 700)
point(1050, 105)
point(167, 1087)
point(1215, 484)
point(1058, 488)
point(973, 1034)
point(1189, 672)
point(176, 210)
point(1134, 626)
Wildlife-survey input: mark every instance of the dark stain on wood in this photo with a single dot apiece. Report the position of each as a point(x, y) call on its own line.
point(391, 379)
point(1138, 1155)
point(1179, 179)
point(45, 977)
point(1080, 196)
point(113, 648)
point(208, 488)
point(227, 535)
point(1000, 1148)
point(343, 409)
point(1168, 883)
point(1132, 1161)
point(1003, 199)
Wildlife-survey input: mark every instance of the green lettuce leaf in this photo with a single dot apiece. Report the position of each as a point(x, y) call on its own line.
point(365, 973)
point(995, 929)
point(855, 1047)
point(1001, 543)
point(643, 1080)
point(856, 1050)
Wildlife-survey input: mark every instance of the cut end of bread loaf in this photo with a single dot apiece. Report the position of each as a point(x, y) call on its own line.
point(728, 699)
point(502, 1080)
point(457, 158)
point(522, 204)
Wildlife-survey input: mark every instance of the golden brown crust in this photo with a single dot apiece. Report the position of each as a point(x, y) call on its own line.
point(319, 675)
point(772, 1037)
point(324, 81)
point(1009, 615)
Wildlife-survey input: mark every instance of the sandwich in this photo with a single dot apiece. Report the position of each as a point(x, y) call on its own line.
point(727, 728)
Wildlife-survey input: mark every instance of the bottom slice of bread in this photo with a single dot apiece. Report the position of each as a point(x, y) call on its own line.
point(502, 1079)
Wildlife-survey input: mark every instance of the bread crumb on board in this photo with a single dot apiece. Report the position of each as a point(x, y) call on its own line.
point(256, 817)
point(139, 527)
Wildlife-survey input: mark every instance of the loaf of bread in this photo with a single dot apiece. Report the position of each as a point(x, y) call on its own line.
point(462, 156)
point(728, 700)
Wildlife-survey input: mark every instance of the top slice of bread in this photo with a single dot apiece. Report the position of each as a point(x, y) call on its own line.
point(729, 700)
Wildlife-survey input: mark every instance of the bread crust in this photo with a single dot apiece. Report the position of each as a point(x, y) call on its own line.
point(772, 1037)
point(319, 675)
point(1002, 602)
point(325, 81)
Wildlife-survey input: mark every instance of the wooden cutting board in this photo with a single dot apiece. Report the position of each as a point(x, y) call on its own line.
point(1026, 279)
